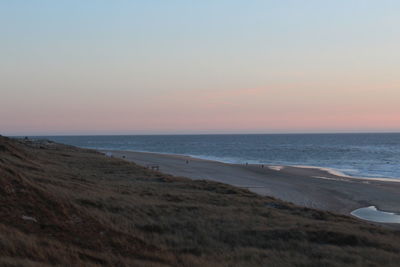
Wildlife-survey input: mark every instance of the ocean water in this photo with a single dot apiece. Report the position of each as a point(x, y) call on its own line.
point(362, 155)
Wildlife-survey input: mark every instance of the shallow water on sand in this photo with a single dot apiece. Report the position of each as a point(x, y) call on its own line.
point(373, 214)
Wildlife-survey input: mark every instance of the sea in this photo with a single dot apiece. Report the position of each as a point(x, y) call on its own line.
point(363, 155)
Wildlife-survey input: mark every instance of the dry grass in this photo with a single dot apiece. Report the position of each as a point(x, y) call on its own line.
point(92, 210)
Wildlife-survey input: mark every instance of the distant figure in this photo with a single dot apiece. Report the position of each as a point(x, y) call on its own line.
point(262, 166)
point(247, 164)
point(123, 157)
point(187, 162)
point(155, 167)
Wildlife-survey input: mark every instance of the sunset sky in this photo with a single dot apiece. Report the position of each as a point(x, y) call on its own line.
point(155, 67)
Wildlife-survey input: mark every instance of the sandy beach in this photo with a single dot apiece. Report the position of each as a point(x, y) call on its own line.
point(69, 206)
point(309, 187)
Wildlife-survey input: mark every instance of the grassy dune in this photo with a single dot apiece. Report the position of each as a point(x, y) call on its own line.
point(62, 205)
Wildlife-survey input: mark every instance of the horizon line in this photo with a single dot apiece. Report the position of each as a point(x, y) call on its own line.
point(182, 134)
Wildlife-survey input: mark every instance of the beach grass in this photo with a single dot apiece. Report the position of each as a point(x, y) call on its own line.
point(62, 205)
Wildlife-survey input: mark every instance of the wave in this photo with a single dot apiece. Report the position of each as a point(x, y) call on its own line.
point(277, 166)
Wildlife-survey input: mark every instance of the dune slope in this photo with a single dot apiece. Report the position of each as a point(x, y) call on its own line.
point(62, 205)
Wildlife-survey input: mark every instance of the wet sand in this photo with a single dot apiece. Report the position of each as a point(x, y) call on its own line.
point(310, 187)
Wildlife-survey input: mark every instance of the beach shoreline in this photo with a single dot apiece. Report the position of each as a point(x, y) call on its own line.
point(330, 170)
point(82, 202)
point(312, 187)
point(278, 167)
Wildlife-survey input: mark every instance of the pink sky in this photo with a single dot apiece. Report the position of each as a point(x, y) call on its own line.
point(276, 108)
point(206, 67)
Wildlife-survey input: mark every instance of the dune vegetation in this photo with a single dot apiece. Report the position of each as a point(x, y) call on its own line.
point(66, 206)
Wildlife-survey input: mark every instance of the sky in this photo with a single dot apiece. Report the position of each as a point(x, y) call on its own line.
point(213, 66)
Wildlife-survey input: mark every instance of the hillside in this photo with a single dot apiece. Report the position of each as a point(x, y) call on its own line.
point(62, 205)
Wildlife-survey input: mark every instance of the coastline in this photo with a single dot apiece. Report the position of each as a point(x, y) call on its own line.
point(343, 175)
point(312, 187)
point(330, 170)
point(113, 212)
point(278, 167)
